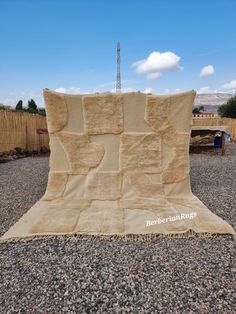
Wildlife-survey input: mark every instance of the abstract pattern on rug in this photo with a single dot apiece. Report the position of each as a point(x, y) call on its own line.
point(119, 164)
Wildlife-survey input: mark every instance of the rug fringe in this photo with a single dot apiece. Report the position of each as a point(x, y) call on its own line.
point(119, 237)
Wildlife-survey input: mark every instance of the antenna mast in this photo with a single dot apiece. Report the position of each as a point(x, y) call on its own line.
point(118, 79)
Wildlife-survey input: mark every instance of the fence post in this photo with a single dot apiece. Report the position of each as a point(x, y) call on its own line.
point(38, 136)
point(26, 136)
point(222, 143)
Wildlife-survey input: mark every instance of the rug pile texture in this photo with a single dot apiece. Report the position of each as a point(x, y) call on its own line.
point(119, 164)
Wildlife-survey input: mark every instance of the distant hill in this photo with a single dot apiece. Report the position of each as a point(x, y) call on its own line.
point(211, 101)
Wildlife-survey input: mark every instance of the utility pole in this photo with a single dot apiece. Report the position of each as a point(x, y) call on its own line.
point(118, 79)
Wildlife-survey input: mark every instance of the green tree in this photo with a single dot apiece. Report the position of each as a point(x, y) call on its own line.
point(196, 110)
point(32, 107)
point(19, 106)
point(42, 111)
point(228, 110)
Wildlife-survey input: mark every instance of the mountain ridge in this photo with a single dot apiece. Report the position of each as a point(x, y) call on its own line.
point(212, 100)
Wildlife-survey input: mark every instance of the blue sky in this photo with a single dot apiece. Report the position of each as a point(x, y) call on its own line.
point(71, 46)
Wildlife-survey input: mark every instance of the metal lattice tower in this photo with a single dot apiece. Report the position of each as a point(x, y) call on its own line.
point(118, 78)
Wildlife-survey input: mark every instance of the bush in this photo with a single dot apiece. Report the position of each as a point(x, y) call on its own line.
point(42, 111)
point(228, 110)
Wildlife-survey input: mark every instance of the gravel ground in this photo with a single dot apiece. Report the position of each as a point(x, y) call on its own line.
point(22, 183)
point(75, 274)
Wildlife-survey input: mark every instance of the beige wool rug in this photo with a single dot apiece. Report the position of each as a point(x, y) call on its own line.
point(119, 164)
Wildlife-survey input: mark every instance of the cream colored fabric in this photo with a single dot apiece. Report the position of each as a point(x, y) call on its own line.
point(119, 164)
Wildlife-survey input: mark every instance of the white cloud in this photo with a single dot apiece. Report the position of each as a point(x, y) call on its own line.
point(157, 63)
point(203, 90)
point(207, 71)
point(124, 90)
point(153, 76)
point(148, 90)
point(230, 86)
point(7, 101)
point(12, 98)
point(166, 90)
point(69, 90)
